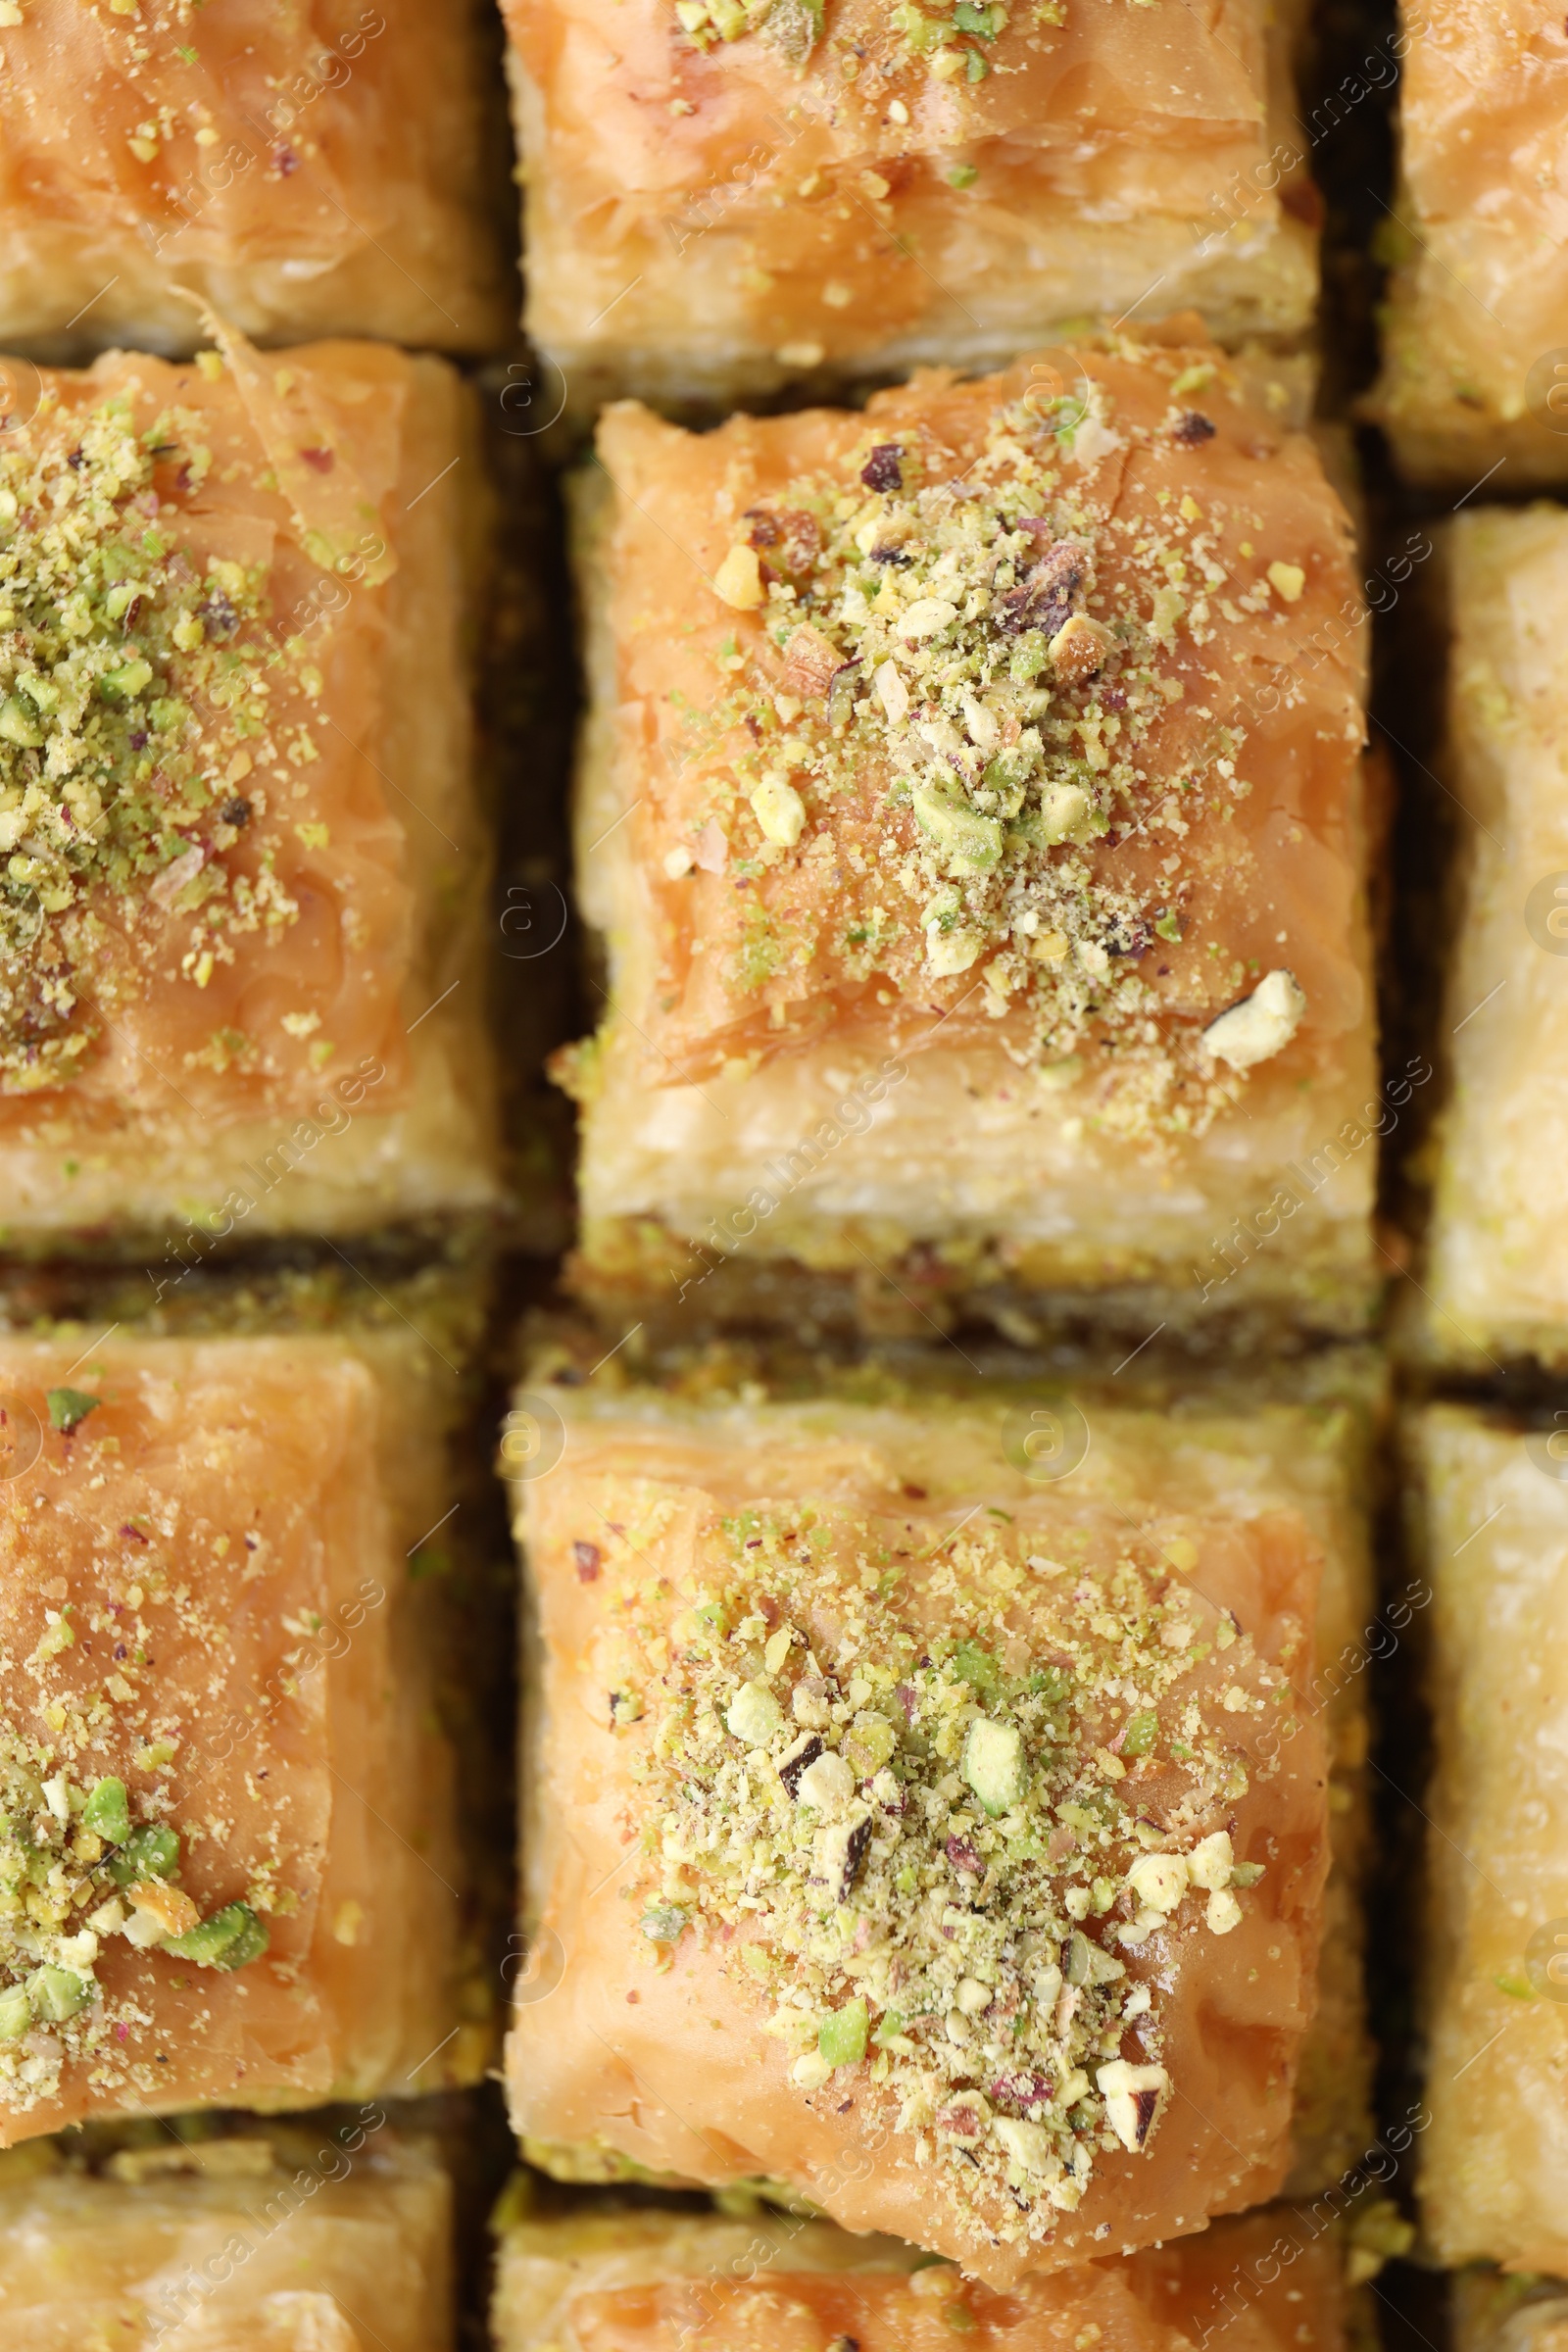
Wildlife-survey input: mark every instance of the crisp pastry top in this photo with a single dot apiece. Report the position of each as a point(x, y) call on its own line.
point(1143, 106)
point(202, 882)
point(973, 1818)
point(166, 1591)
point(1484, 106)
point(1024, 709)
point(312, 152)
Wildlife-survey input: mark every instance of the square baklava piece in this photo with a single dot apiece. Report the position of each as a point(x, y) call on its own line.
point(229, 1865)
point(927, 1802)
point(1496, 1279)
point(244, 856)
point(313, 170)
point(972, 807)
point(646, 2280)
point(1491, 1514)
point(736, 193)
point(268, 2239)
point(1475, 368)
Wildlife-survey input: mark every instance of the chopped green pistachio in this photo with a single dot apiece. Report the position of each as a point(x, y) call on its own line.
point(663, 1923)
point(228, 1940)
point(963, 175)
point(148, 1853)
point(16, 2013)
point(970, 842)
point(841, 2037)
point(979, 1668)
point(755, 1714)
point(993, 1764)
point(56, 1994)
point(939, 1828)
point(107, 1812)
point(1141, 1734)
point(70, 1407)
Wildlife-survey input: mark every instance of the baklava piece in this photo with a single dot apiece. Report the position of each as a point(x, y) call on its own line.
point(1491, 2311)
point(228, 1862)
point(940, 1837)
point(737, 193)
point(652, 2281)
point(1494, 1511)
point(315, 171)
point(244, 863)
point(274, 2239)
point(1475, 364)
point(971, 804)
point(1497, 1281)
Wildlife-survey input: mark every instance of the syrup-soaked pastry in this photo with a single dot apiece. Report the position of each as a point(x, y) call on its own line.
point(274, 2238)
point(313, 166)
point(1475, 364)
point(971, 804)
point(228, 1867)
point(244, 858)
point(737, 192)
point(1492, 1523)
point(650, 2282)
point(927, 1805)
point(1497, 1281)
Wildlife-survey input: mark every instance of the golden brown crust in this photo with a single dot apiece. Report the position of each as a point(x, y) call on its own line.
point(660, 2282)
point(232, 788)
point(314, 166)
point(206, 1629)
point(1476, 299)
point(864, 187)
point(672, 2030)
point(865, 791)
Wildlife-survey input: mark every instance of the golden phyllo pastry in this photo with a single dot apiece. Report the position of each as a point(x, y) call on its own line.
point(1475, 363)
point(244, 850)
point(971, 804)
point(648, 2282)
point(737, 192)
point(274, 2239)
point(1494, 1525)
point(1497, 1278)
point(936, 1834)
point(314, 166)
point(227, 1866)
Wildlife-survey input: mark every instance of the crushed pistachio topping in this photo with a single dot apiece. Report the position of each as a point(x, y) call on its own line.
point(950, 41)
point(949, 1809)
point(76, 1869)
point(134, 690)
point(950, 722)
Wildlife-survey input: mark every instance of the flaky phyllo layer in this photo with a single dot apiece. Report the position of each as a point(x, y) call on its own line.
point(964, 742)
point(934, 1834)
point(189, 567)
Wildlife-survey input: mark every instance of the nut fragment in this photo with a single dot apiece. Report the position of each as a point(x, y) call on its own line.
point(1262, 1025)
